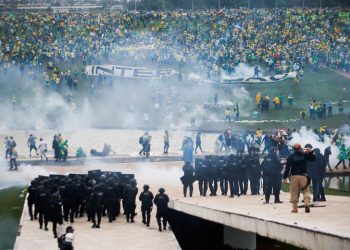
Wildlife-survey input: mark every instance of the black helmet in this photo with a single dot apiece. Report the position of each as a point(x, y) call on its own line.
point(161, 190)
point(308, 145)
point(145, 187)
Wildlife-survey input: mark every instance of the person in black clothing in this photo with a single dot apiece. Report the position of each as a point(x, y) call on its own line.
point(69, 198)
point(32, 190)
point(327, 153)
point(87, 197)
point(322, 168)
point(42, 203)
point(97, 205)
point(187, 179)
point(55, 213)
point(198, 143)
point(201, 174)
point(130, 193)
point(80, 201)
point(271, 167)
point(296, 166)
point(146, 198)
point(254, 173)
point(161, 201)
point(312, 169)
point(111, 199)
point(212, 163)
point(55, 147)
point(231, 170)
point(222, 175)
point(62, 244)
point(242, 175)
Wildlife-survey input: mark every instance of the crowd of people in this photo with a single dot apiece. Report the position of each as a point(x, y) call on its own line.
point(281, 39)
point(59, 198)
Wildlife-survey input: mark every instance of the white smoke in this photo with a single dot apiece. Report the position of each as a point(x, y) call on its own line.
point(307, 136)
point(21, 177)
point(242, 70)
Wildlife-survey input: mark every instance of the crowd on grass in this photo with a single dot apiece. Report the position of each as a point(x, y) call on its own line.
point(59, 44)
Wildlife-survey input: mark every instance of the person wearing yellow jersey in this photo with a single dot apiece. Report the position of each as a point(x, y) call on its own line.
point(227, 115)
point(276, 101)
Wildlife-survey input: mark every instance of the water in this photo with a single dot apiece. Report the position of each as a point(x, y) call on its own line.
point(338, 182)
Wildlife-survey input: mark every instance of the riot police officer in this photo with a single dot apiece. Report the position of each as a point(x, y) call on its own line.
point(212, 163)
point(201, 174)
point(271, 167)
point(111, 199)
point(43, 197)
point(32, 189)
point(161, 201)
point(146, 198)
point(187, 179)
point(231, 169)
point(254, 173)
point(221, 169)
point(97, 205)
point(242, 174)
point(55, 213)
point(130, 193)
point(69, 201)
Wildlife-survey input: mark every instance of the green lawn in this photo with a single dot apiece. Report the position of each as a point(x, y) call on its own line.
point(11, 200)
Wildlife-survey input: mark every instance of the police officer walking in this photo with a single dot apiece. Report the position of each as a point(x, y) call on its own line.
point(187, 179)
point(201, 174)
point(296, 166)
point(129, 195)
point(161, 201)
point(271, 167)
point(146, 198)
point(97, 205)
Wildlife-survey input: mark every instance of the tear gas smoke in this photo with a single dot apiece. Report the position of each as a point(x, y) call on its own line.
point(306, 136)
point(21, 177)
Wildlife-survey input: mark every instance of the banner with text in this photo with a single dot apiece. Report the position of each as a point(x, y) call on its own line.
point(128, 72)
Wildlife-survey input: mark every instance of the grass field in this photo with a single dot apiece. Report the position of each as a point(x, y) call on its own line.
point(12, 200)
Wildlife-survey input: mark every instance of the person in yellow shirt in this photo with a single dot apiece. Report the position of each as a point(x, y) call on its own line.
point(276, 101)
point(258, 99)
point(227, 115)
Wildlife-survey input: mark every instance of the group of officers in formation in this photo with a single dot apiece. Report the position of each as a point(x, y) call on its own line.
point(59, 197)
point(233, 173)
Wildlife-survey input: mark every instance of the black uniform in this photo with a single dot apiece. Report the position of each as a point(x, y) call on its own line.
point(97, 206)
point(322, 168)
point(69, 201)
point(161, 201)
point(221, 170)
point(212, 164)
point(112, 199)
point(201, 174)
point(146, 198)
point(312, 169)
point(55, 213)
point(254, 174)
point(271, 167)
point(32, 190)
point(242, 175)
point(42, 203)
point(187, 179)
point(231, 170)
point(130, 193)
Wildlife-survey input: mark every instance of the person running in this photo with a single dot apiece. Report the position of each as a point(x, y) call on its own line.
point(42, 149)
point(32, 145)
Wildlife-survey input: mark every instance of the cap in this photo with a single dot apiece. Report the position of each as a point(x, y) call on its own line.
point(308, 145)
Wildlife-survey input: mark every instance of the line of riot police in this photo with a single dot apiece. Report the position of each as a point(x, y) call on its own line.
point(233, 173)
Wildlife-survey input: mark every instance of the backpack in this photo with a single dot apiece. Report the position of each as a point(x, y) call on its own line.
point(141, 140)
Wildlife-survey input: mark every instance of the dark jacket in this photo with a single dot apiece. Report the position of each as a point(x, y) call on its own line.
point(296, 163)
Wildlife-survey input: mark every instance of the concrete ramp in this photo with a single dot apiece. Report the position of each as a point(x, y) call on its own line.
point(324, 228)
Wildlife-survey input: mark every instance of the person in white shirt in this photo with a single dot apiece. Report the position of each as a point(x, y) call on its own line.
point(42, 149)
